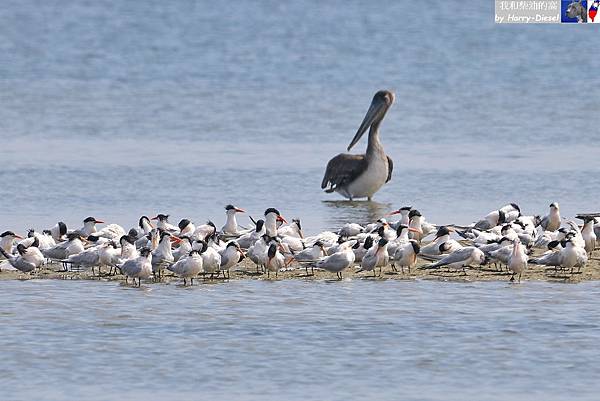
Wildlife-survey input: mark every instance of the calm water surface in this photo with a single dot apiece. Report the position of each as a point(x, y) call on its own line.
point(297, 340)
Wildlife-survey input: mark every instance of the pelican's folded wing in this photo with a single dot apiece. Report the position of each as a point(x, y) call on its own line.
point(390, 168)
point(343, 169)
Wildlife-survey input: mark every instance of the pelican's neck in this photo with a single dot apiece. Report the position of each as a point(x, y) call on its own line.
point(374, 145)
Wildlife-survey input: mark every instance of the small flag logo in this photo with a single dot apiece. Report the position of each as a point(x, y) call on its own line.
point(593, 11)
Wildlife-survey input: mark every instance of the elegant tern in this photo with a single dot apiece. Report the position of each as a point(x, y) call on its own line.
point(140, 267)
point(189, 266)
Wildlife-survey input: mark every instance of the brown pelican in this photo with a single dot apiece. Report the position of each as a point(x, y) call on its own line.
point(359, 176)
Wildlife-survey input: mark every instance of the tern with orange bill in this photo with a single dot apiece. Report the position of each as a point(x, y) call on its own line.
point(163, 223)
point(89, 226)
point(163, 254)
point(231, 225)
point(272, 217)
point(7, 239)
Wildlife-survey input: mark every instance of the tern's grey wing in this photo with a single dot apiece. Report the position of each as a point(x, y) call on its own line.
point(333, 263)
point(21, 264)
point(56, 252)
point(304, 256)
point(456, 256)
point(551, 259)
point(131, 267)
point(544, 222)
point(87, 258)
point(399, 253)
point(390, 168)
point(224, 259)
point(482, 225)
point(343, 169)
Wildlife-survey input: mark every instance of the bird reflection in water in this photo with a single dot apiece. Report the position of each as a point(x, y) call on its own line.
point(344, 211)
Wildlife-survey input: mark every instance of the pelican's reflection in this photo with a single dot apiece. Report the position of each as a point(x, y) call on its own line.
point(362, 212)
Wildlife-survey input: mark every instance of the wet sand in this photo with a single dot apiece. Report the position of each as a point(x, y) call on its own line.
point(246, 270)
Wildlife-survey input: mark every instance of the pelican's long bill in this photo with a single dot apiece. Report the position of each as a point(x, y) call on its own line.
point(375, 113)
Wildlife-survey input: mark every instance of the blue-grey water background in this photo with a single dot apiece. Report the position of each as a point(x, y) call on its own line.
point(118, 108)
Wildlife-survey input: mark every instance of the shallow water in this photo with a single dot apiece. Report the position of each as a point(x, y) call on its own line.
point(117, 109)
point(299, 340)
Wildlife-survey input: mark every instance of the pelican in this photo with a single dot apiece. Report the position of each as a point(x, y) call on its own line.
point(360, 176)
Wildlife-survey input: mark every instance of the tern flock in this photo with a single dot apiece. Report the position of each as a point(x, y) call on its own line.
point(504, 237)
